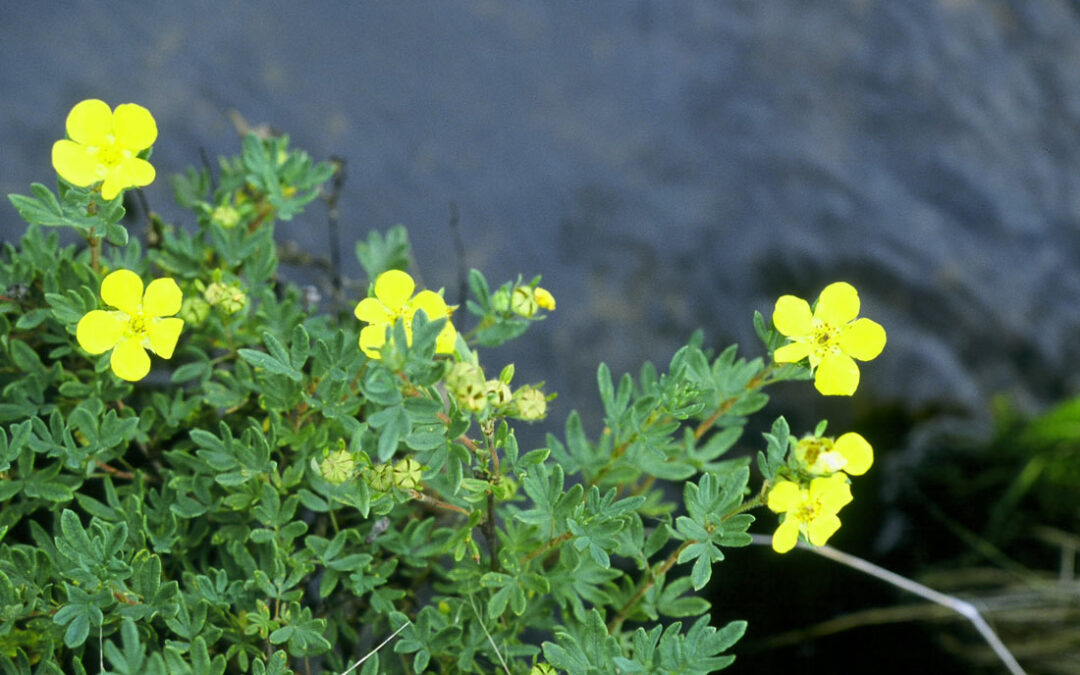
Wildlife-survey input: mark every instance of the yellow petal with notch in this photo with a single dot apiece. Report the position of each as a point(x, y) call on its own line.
point(864, 339)
point(162, 298)
point(130, 361)
point(838, 304)
point(75, 164)
point(90, 122)
point(792, 316)
point(163, 334)
point(123, 290)
point(394, 288)
point(99, 331)
point(837, 375)
point(135, 127)
point(858, 453)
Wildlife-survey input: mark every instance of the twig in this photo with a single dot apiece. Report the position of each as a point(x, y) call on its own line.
point(484, 628)
point(209, 170)
point(144, 204)
point(421, 497)
point(332, 224)
point(961, 607)
point(373, 651)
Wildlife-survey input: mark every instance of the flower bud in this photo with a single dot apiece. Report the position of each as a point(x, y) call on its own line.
point(530, 403)
point(498, 393)
point(544, 298)
point(542, 668)
point(500, 300)
point(225, 216)
point(380, 477)
point(231, 299)
point(194, 310)
point(407, 474)
point(338, 467)
point(504, 488)
point(465, 382)
point(522, 302)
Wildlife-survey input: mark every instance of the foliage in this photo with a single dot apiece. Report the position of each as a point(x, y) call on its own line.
point(273, 500)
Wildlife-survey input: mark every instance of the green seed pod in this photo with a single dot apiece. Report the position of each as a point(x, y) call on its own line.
point(465, 382)
point(522, 302)
point(407, 474)
point(380, 477)
point(504, 488)
point(225, 216)
point(338, 467)
point(498, 393)
point(530, 403)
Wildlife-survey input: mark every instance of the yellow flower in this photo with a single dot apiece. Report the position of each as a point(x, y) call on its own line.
point(822, 456)
point(136, 325)
point(103, 146)
point(831, 337)
point(394, 300)
point(811, 511)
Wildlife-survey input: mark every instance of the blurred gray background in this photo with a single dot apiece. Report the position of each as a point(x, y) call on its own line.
point(665, 166)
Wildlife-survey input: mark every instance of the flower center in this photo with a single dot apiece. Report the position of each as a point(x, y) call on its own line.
point(809, 511)
point(824, 335)
point(137, 325)
point(110, 154)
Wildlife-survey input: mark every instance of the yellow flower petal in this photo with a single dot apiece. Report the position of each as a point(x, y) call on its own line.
point(123, 289)
point(784, 496)
point(75, 164)
point(864, 339)
point(792, 353)
point(394, 288)
point(786, 535)
point(447, 340)
point(792, 316)
point(99, 331)
point(821, 528)
point(373, 311)
point(126, 173)
point(163, 334)
point(162, 298)
point(89, 122)
point(832, 492)
point(372, 338)
point(837, 304)
point(130, 361)
point(544, 298)
point(432, 303)
point(857, 452)
point(135, 127)
point(837, 375)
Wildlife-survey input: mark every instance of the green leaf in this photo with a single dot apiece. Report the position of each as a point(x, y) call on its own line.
point(270, 363)
point(379, 254)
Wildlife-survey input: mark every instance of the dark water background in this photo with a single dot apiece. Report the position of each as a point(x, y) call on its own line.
point(665, 166)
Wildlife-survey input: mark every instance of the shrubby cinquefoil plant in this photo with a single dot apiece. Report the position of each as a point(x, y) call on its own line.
point(201, 472)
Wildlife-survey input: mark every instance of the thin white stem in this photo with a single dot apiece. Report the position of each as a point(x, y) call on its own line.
point(373, 651)
point(493, 645)
point(961, 607)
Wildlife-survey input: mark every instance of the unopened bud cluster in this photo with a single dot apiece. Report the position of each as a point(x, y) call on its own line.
point(405, 474)
point(524, 301)
point(466, 384)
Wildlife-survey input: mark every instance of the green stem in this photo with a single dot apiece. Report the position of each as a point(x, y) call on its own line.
point(670, 561)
